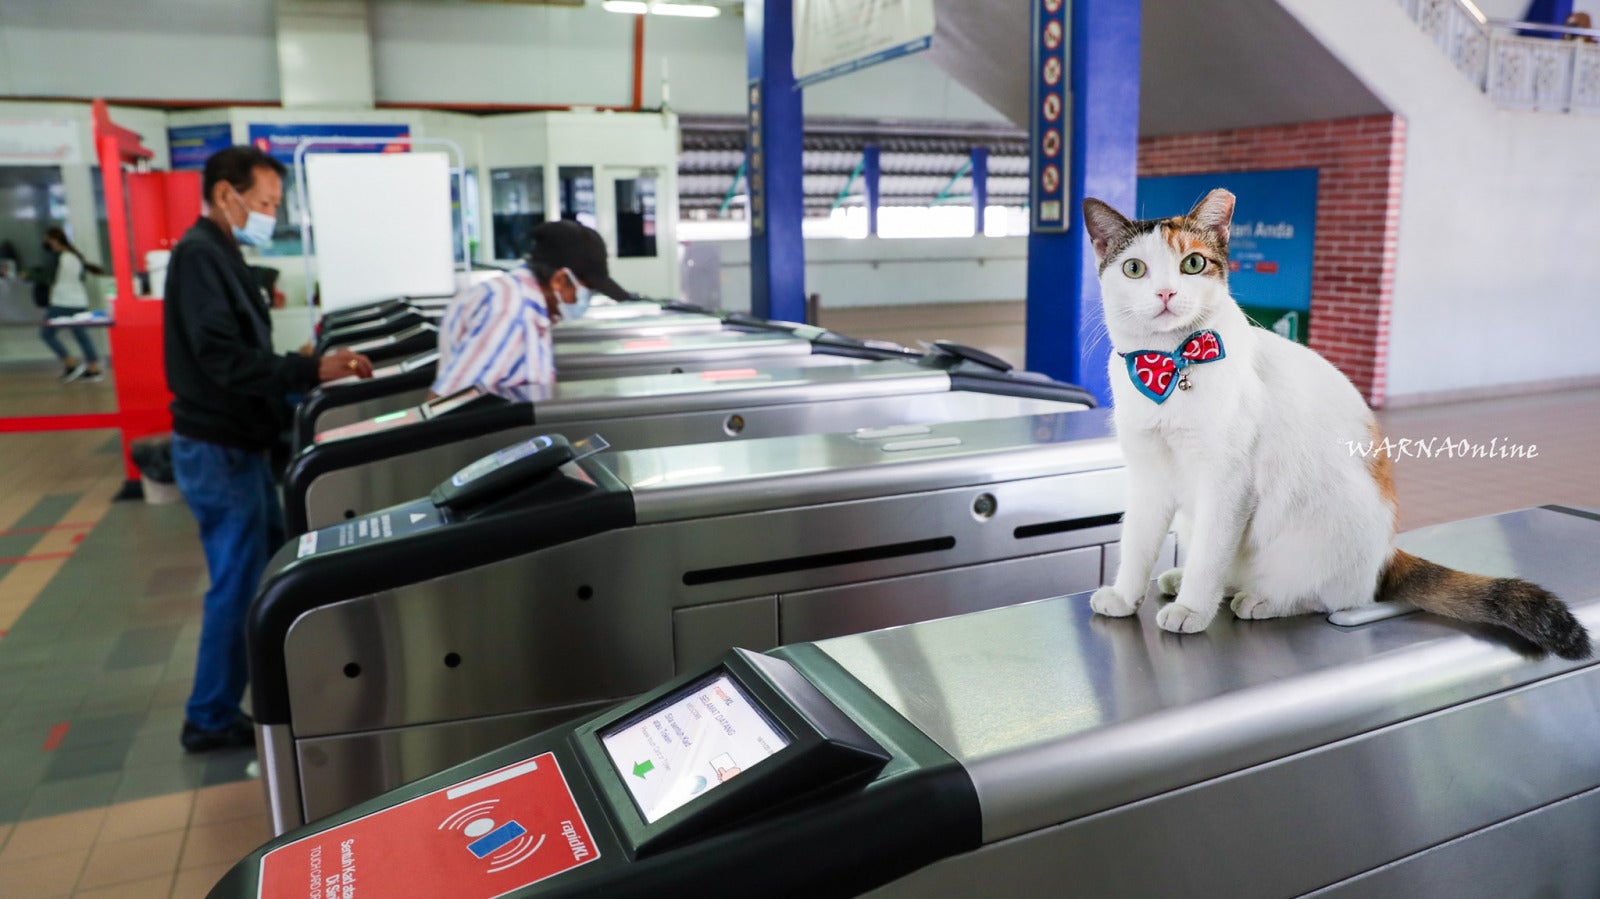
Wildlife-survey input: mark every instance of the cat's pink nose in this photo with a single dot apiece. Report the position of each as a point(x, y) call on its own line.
point(1165, 296)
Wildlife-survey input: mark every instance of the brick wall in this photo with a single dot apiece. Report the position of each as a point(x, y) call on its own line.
point(1361, 162)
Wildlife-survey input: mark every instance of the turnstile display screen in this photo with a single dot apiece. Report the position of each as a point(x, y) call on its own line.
point(690, 744)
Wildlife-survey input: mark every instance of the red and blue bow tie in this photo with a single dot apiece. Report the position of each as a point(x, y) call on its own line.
point(1156, 373)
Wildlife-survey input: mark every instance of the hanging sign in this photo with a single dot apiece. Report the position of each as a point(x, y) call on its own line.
point(39, 142)
point(191, 145)
point(1048, 185)
point(280, 141)
point(836, 37)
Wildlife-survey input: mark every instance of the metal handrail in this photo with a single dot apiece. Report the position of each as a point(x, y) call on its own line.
point(1515, 69)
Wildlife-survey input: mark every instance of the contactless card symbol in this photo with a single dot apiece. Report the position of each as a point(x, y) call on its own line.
point(502, 845)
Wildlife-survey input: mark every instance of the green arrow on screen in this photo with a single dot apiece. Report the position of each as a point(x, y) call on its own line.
point(640, 769)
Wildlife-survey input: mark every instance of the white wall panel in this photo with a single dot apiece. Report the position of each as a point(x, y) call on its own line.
point(1494, 282)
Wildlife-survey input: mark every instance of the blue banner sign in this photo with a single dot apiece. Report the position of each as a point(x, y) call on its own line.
point(189, 146)
point(1274, 223)
point(280, 141)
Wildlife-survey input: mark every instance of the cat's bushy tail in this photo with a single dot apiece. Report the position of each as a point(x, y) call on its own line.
point(1526, 608)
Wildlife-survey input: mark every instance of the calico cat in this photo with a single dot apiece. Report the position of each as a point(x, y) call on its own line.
point(1245, 437)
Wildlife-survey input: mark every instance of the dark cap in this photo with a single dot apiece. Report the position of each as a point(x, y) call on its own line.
point(570, 245)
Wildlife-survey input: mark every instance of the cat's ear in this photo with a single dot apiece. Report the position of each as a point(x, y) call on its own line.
point(1214, 213)
point(1104, 225)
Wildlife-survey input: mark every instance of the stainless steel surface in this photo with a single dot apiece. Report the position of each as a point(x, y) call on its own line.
point(650, 394)
point(811, 615)
point(1531, 856)
point(1057, 714)
point(624, 309)
point(689, 353)
point(592, 619)
point(703, 633)
point(632, 416)
point(677, 482)
point(280, 776)
point(664, 324)
point(374, 763)
point(1376, 802)
point(1113, 557)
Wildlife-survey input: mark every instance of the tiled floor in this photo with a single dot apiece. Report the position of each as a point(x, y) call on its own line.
point(37, 390)
point(99, 612)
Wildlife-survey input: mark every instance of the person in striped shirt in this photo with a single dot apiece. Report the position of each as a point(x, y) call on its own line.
point(496, 335)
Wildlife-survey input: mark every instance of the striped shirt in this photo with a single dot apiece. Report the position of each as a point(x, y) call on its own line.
point(496, 336)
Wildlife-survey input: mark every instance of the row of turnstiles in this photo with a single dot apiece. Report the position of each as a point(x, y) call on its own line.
point(745, 606)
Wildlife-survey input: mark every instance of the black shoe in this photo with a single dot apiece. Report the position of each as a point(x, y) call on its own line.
point(237, 735)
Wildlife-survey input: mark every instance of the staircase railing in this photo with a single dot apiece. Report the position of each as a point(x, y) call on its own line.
point(1520, 65)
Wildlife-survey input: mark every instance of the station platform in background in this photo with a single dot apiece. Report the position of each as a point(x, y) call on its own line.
point(100, 612)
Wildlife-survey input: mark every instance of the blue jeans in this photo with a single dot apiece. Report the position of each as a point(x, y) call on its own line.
point(233, 497)
point(48, 335)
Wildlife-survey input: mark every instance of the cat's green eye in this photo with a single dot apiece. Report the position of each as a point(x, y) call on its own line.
point(1193, 264)
point(1133, 268)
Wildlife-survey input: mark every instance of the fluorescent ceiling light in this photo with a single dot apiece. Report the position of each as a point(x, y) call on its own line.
point(692, 10)
point(639, 8)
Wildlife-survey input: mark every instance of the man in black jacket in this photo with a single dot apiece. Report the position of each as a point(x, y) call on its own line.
point(229, 407)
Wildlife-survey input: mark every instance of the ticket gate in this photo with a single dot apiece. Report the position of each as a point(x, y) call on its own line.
point(400, 384)
point(616, 322)
point(1039, 750)
point(776, 344)
point(418, 338)
point(388, 647)
point(400, 455)
point(363, 331)
point(334, 404)
point(352, 315)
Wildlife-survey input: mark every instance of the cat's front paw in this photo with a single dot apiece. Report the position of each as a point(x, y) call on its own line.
point(1107, 601)
point(1180, 619)
point(1170, 581)
point(1252, 607)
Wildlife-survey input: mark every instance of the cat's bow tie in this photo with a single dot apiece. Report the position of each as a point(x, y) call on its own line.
point(1156, 373)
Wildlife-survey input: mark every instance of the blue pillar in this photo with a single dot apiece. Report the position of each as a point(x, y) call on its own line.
point(1101, 111)
point(980, 188)
point(773, 156)
point(871, 169)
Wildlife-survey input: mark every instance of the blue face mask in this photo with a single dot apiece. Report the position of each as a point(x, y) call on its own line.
point(257, 230)
point(580, 304)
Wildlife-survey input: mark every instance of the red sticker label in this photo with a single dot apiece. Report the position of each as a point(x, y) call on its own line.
point(1052, 107)
point(479, 839)
point(1050, 179)
point(1052, 6)
point(1051, 145)
point(729, 374)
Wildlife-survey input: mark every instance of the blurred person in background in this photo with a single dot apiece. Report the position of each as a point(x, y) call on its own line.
point(67, 270)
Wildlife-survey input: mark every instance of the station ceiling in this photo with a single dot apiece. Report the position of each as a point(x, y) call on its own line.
point(1203, 67)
